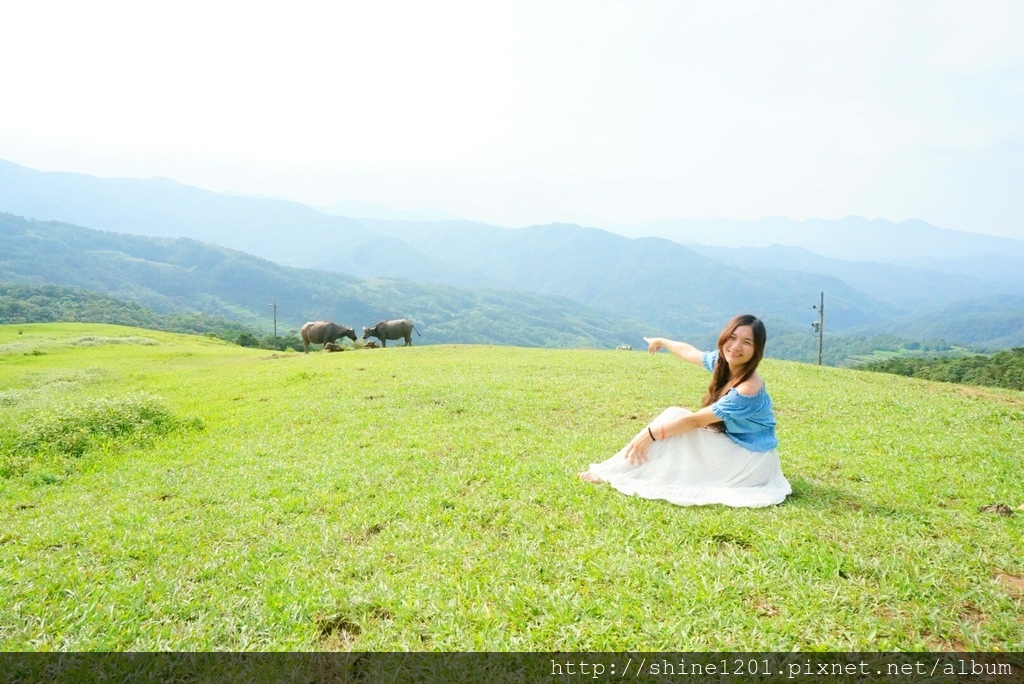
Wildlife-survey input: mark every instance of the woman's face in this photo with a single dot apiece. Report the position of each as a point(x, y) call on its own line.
point(739, 348)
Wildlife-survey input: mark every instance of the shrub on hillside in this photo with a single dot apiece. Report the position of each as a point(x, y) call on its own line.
point(71, 431)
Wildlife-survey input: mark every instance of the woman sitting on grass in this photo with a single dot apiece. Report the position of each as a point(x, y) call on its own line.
point(733, 461)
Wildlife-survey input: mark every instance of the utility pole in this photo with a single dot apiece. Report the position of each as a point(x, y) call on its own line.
point(819, 327)
point(274, 305)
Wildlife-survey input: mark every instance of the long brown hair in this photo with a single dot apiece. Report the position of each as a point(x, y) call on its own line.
point(721, 380)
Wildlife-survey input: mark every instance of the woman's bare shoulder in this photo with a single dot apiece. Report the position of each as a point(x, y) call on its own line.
point(750, 386)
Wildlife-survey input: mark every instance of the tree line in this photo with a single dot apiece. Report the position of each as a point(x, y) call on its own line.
point(53, 303)
point(1003, 369)
point(847, 351)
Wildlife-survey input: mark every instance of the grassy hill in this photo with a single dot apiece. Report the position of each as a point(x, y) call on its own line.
point(172, 492)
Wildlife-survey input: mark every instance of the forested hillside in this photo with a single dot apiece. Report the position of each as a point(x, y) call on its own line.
point(204, 289)
point(185, 276)
point(52, 304)
point(849, 350)
point(677, 288)
point(1003, 369)
point(663, 282)
point(993, 322)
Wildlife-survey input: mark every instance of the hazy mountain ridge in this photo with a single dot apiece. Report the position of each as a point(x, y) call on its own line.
point(158, 207)
point(902, 286)
point(1001, 269)
point(853, 238)
point(995, 322)
point(676, 289)
point(674, 284)
point(171, 275)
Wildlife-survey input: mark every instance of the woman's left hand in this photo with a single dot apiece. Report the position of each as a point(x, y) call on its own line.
point(636, 450)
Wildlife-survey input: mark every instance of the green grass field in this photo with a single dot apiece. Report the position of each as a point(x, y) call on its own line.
point(167, 492)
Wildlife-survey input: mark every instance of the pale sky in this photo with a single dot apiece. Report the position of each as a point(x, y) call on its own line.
point(595, 112)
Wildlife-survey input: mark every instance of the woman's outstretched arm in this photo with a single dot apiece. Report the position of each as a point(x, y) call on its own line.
point(687, 352)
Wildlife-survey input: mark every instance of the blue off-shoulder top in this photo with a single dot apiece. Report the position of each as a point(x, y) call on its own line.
point(749, 421)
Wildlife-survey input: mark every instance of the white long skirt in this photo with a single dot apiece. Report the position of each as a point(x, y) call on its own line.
point(699, 467)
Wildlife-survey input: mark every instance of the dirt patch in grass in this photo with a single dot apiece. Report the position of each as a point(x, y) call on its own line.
point(938, 644)
point(762, 606)
point(725, 541)
point(368, 534)
point(1013, 584)
point(972, 614)
point(337, 632)
point(95, 340)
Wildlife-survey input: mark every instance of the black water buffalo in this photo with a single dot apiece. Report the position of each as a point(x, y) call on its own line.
point(331, 347)
point(320, 332)
point(392, 330)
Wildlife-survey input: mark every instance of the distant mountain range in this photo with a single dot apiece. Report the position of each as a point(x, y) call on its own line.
point(853, 238)
point(177, 275)
point(901, 286)
point(878, 276)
